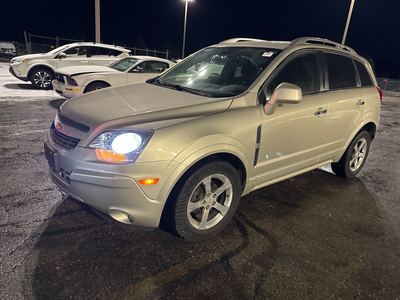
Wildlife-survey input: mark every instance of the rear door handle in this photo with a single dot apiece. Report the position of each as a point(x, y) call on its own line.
point(360, 102)
point(320, 111)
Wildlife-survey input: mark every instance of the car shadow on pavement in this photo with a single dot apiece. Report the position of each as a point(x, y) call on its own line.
point(303, 236)
point(56, 103)
point(20, 86)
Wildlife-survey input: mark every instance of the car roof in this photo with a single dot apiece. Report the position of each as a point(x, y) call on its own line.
point(147, 57)
point(250, 42)
point(307, 42)
point(108, 46)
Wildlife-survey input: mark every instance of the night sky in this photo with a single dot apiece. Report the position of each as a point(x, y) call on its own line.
point(374, 29)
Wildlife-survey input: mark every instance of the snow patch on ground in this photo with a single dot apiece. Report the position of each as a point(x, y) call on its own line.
point(14, 89)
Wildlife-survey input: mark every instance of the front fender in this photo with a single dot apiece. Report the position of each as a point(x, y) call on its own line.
point(202, 148)
point(38, 64)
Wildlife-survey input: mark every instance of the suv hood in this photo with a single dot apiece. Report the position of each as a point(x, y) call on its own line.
point(139, 103)
point(79, 70)
point(28, 56)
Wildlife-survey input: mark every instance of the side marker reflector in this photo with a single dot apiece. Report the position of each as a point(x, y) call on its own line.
point(149, 181)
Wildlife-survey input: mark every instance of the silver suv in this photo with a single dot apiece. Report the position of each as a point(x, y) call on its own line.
point(181, 149)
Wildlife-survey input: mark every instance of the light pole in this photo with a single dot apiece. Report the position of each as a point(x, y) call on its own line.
point(346, 29)
point(184, 27)
point(97, 20)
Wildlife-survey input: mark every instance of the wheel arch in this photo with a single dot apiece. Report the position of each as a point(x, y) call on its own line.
point(95, 81)
point(40, 66)
point(228, 156)
point(368, 125)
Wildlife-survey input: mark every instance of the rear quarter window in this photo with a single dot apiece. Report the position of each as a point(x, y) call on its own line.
point(365, 78)
point(341, 72)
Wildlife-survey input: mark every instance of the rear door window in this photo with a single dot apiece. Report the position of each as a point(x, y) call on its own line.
point(365, 79)
point(341, 72)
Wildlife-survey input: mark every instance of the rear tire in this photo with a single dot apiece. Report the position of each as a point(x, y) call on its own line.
point(41, 78)
point(353, 160)
point(94, 86)
point(206, 201)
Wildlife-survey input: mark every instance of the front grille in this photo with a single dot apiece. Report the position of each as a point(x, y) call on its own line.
point(63, 140)
point(71, 123)
point(60, 78)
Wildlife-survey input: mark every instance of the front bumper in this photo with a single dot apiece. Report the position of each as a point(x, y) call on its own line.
point(17, 74)
point(109, 190)
point(66, 90)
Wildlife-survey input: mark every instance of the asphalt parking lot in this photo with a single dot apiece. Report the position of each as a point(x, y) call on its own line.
point(314, 236)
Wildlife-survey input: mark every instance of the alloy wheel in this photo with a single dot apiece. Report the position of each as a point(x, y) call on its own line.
point(358, 154)
point(42, 79)
point(210, 201)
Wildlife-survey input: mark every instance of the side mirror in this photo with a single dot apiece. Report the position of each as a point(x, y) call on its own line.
point(284, 93)
point(61, 55)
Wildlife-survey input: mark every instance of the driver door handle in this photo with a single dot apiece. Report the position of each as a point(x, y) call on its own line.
point(320, 111)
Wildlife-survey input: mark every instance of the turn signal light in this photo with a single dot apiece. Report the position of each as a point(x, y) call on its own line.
point(110, 156)
point(149, 181)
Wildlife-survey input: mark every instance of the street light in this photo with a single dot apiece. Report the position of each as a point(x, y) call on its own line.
point(184, 27)
point(348, 21)
point(97, 19)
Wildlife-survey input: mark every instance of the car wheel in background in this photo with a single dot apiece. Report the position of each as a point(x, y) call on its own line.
point(41, 78)
point(353, 160)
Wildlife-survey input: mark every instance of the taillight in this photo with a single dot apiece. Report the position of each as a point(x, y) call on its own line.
point(380, 94)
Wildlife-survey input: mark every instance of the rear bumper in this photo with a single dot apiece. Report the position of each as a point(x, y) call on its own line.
point(66, 90)
point(11, 70)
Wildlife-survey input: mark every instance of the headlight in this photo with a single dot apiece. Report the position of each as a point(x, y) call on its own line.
point(19, 61)
point(120, 146)
point(71, 81)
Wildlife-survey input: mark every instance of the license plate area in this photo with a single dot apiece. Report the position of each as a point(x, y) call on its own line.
point(51, 157)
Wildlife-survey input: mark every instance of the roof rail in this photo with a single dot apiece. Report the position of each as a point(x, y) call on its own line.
point(320, 41)
point(239, 40)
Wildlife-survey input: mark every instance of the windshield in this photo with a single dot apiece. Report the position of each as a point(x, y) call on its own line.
point(124, 64)
point(59, 49)
point(219, 71)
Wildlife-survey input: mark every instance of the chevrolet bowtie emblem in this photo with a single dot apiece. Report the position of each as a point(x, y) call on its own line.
point(59, 126)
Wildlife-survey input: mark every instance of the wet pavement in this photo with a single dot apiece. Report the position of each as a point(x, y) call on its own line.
point(314, 236)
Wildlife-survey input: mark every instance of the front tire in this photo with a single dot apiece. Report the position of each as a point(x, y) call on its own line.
point(41, 78)
point(207, 201)
point(353, 160)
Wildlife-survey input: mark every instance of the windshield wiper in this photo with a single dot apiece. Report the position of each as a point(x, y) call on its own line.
point(186, 89)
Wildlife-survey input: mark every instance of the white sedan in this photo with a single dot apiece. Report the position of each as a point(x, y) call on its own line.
point(73, 81)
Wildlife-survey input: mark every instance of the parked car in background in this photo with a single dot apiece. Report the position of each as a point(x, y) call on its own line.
point(181, 149)
point(39, 68)
point(7, 49)
point(77, 80)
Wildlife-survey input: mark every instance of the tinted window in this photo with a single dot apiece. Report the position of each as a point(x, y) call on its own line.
point(72, 51)
point(151, 67)
point(98, 51)
point(364, 75)
point(124, 64)
point(341, 72)
point(302, 71)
